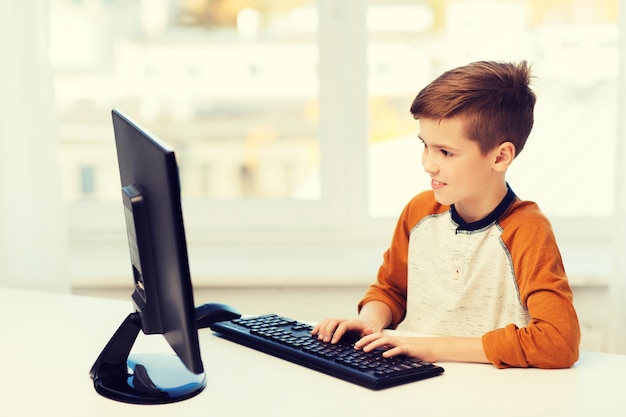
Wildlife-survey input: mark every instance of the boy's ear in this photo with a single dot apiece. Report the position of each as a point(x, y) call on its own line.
point(504, 156)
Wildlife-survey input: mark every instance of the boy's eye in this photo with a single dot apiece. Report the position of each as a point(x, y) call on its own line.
point(446, 153)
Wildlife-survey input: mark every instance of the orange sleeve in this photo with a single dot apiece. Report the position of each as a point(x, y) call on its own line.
point(552, 338)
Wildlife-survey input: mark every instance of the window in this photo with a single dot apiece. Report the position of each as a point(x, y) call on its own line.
point(291, 125)
point(229, 87)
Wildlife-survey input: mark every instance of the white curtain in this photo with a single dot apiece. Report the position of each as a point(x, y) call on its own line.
point(32, 221)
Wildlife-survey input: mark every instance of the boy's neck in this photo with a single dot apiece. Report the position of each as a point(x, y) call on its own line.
point(480, 210)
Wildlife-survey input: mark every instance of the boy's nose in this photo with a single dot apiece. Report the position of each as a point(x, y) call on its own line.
point(429, 165)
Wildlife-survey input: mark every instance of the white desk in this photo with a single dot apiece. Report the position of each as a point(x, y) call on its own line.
point(49, 343)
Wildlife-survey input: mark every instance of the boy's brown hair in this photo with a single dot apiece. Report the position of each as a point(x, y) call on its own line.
point(494, 99)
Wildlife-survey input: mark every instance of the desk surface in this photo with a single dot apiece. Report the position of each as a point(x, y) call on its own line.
point(50, 341)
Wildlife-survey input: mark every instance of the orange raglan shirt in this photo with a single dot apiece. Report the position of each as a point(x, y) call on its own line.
point(501, 279)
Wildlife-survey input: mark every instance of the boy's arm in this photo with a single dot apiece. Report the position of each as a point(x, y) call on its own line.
point(429, 349)
point(389, 289)
point(459, 349)
point(376, 313)
point(552, 338)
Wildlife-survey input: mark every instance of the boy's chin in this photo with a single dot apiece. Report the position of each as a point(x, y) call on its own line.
point(443, 200)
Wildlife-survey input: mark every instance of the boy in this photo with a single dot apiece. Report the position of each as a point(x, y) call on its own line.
point(469, 261)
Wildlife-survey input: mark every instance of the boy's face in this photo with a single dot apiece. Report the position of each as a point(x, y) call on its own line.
point(460, 173)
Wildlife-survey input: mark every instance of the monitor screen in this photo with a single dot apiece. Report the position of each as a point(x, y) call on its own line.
point(163, 294)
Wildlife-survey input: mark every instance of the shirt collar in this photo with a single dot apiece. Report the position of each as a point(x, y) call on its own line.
point(489, 219)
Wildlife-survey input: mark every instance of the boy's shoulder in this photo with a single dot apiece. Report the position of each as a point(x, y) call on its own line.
point(525, 217)
point(524, 211)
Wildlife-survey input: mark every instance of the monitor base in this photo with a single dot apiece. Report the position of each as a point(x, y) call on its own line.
point(146, 378)
point(149, 378)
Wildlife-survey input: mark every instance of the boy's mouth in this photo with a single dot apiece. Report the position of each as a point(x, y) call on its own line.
point(437, 184)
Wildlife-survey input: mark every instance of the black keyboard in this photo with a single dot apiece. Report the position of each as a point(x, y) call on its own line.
point(292, 340)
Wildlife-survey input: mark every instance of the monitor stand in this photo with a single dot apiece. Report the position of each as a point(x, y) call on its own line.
point(147, 378)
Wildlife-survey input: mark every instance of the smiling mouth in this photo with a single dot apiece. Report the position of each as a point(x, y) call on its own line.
point(437, 184)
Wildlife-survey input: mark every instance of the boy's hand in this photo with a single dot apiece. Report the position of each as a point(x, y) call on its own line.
point(428, 349)
point(332, 330)
point(417, 347)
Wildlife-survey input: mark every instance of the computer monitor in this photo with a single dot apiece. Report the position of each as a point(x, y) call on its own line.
point(163, 293)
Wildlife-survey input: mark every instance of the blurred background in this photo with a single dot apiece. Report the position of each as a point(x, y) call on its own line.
point(291, 125)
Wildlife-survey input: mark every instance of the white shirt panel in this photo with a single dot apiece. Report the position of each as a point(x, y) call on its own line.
point(459, 284)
